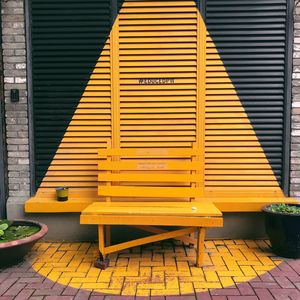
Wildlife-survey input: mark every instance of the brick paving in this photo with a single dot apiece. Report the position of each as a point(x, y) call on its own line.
point(234, 270)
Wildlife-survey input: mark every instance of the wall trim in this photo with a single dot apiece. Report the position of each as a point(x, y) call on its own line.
point(30, 96)
point(288, 98)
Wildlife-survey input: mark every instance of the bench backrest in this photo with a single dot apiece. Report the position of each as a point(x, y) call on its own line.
point(149, 174)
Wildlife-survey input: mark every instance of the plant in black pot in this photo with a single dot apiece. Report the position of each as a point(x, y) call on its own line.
point(17, 238)
point(282, 223)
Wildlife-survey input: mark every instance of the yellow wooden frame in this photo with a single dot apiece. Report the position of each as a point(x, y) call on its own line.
point(157, 167)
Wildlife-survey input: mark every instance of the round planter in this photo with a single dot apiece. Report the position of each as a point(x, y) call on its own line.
point(283, 230)
point(14, 251)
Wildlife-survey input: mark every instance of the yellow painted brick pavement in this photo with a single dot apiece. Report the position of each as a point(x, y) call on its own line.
point(165, 268)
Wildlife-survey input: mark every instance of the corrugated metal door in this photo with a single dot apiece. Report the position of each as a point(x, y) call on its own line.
point(71, 90)
point(245, 103)
point(151, 74)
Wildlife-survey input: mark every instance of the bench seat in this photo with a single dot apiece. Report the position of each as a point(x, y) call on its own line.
point(149, 188)
point(152, 213)
point(194, 216)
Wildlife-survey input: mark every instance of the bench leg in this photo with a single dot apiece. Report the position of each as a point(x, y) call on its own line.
point(107, 235)
point(200, 247)
point(101, 262)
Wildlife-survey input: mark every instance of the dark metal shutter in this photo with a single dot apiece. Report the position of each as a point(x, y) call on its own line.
point(67, 38)
point(250, 37)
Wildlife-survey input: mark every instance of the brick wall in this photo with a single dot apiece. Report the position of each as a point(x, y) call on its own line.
point(14, 59)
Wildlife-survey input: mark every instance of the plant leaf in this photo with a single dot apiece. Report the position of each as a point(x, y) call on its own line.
point(3, 226)
point(3, 221)
point(284, 208)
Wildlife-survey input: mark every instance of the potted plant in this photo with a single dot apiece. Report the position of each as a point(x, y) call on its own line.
point(282, 223)
point(17, 238)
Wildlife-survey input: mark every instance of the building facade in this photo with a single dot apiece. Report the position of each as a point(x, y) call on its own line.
point(246, 52)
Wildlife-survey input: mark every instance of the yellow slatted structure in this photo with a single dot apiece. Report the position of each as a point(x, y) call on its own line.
point(235, 163)
point(160, 82)
point(158, 73)
point(75, 162)
point(150, 174)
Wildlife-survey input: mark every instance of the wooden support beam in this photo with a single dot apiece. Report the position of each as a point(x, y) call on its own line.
point(107, 235)
point(150, 239)
point(151, 220)
point(101, 239)
point(200, 247)
point(185, 239)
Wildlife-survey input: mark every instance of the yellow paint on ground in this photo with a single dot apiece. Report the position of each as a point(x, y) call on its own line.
point(144, 271)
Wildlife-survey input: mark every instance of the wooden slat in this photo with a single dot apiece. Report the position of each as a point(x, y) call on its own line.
point(248, 204)
point(176, 204)
point(149, 152)
point(158, 57)
point(147, 116)
point(159, 22)
point(150, 192)
point(150, 239)
point(150, 47)
point(148, 177)
point(200, 209)
point(236, 155)
point(72, 167)
point(155, 144)
point(160, 16)
point(166, 64)
point(162, 133)
point(115, 77)
point(238, 166)
point(233, 160)
point(161, 165)
point(67, 182)
point(157, 4)
point(149, 220)
point(156, 9)
point(184, 238)
point(237, 172)
point(242, 183)
point(147, 139)
point(240, 177)
point(48, 204)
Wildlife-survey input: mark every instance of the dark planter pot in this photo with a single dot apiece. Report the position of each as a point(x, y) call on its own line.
point(14, 251)
point(283, 231)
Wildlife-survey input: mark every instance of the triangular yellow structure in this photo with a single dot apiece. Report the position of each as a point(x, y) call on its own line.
point(159, 81)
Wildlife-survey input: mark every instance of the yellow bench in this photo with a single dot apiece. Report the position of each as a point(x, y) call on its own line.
point(153, 187)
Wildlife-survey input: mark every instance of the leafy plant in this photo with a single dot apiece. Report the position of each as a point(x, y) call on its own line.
point(3, 227)
point(284, 208)
point(10, 232)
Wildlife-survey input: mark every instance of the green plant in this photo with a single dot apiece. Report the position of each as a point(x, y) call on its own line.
point(3, 227)
point(10, 232)
point(284, 208)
